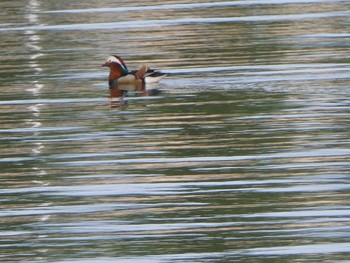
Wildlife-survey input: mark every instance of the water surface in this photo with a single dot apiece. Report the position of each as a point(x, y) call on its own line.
point(243, 156)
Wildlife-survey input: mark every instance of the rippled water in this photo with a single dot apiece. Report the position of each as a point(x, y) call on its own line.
point(242, 157)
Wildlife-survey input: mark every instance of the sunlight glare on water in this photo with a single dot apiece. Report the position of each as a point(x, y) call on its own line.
point(240, 154)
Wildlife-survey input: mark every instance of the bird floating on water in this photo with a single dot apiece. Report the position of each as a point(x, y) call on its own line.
point(120, 76)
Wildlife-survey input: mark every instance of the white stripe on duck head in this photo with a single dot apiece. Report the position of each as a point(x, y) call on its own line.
point(120, 61)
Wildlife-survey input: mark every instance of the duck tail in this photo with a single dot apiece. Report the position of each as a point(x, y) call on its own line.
point(155, 77)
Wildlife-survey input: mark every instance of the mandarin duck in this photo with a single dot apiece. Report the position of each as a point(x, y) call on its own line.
point(120, 76)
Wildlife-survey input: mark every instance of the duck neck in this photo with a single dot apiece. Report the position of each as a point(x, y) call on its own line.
point(115, 72)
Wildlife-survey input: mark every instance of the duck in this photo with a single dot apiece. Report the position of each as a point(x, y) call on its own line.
point(120, 76)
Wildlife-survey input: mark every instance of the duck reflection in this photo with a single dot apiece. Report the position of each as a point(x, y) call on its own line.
point(118, 93)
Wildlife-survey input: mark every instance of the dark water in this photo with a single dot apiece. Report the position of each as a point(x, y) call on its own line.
point(243, 156)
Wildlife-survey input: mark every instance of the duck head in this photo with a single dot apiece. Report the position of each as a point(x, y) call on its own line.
point(118, 60)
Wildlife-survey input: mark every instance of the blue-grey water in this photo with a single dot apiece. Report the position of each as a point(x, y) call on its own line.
point(243, 156)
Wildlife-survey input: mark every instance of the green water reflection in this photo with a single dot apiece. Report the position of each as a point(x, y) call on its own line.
point(242, 156)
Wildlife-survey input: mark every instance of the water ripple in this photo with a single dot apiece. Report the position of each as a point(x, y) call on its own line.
point(187, 6)
point(181, 21)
